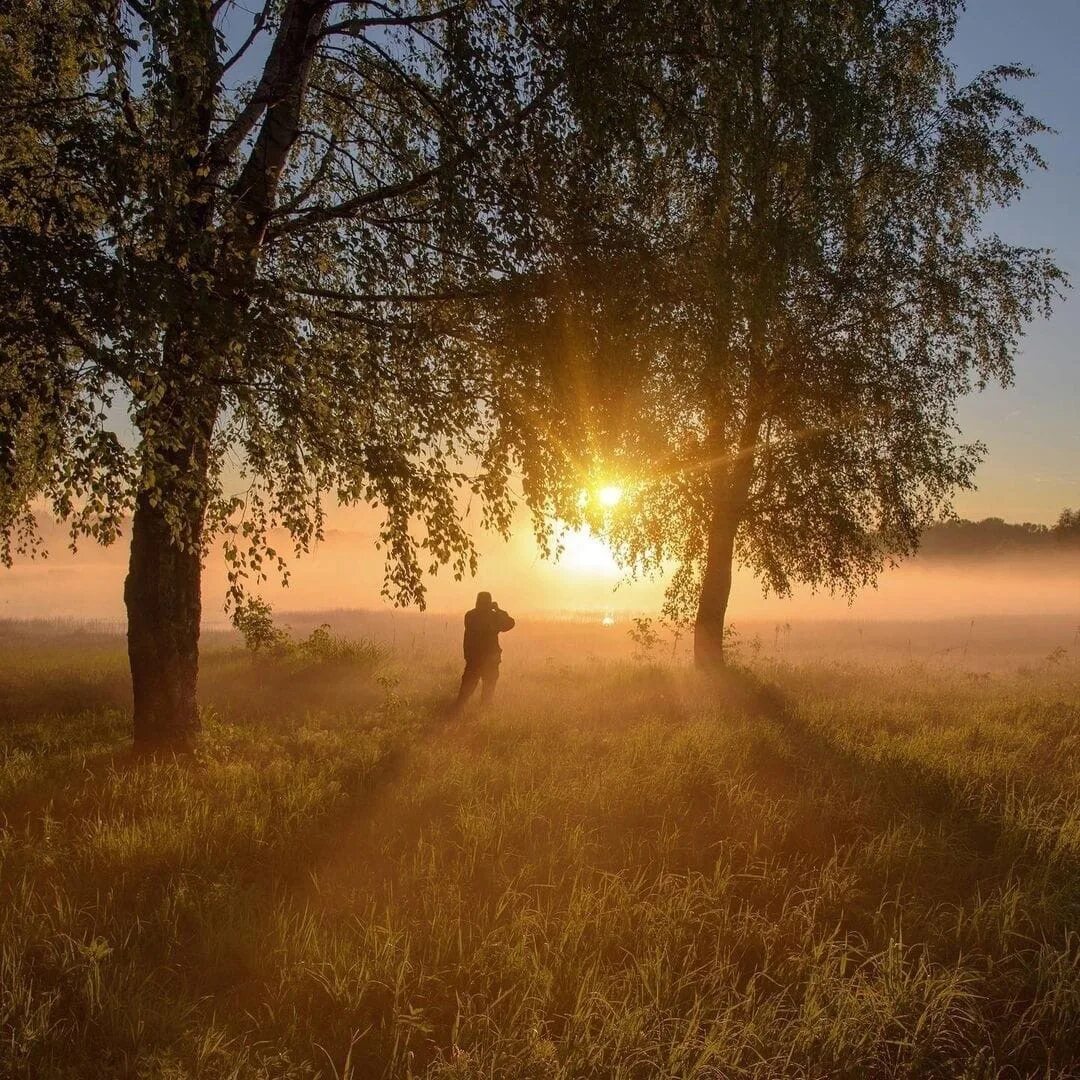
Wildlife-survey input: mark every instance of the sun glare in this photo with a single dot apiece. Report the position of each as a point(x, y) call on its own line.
point(586, 554)
point(609, 495)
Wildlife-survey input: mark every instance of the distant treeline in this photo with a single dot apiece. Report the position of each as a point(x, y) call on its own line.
point(993, 536)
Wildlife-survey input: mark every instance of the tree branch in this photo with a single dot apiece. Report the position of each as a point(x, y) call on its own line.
point(256, 29)
point(277, 80)
point(381, 298)
point(350, 207)
point(357, 27)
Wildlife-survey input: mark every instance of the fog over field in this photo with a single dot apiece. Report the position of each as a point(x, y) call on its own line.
point(584, 583)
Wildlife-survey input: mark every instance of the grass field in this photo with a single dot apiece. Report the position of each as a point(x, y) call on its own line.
point(819, 869)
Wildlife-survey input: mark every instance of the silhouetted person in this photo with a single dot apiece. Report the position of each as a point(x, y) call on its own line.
point(483, 625)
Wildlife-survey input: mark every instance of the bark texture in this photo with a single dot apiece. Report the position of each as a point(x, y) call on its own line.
point(715, 592)
point(164, 606)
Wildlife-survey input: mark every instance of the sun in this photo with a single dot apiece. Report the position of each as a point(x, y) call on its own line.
point(610, 495)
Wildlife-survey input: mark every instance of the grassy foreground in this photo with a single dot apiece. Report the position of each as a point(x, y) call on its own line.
point(621, 872)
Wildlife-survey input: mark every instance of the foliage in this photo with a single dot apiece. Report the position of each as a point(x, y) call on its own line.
point(54, 397)
point(622, 873)
point(644, 637)
point(254, 618)
point(1067, 527)
point(323, 646)
point(250, 239)
point(780, 284)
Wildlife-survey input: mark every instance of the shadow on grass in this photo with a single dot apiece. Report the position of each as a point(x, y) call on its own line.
point(983, 845)
point(58, 693)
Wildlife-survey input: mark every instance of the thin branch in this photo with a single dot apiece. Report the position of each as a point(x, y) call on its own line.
point(320, 172)
point(351, 207)
point(256, 29)
point(357, 27)
point(417, 88)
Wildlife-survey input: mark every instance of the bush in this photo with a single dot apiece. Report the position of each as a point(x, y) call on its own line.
point(254, 618)
point(255, 621)
point(322, 646)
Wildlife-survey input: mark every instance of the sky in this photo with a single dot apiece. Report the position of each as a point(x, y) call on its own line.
point(1031, 430)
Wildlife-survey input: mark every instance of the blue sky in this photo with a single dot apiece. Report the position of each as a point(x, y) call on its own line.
point(1033, 428)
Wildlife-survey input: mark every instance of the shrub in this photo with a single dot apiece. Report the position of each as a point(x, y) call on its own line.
point(255, 621)
point(254, 618)
point(322, 646)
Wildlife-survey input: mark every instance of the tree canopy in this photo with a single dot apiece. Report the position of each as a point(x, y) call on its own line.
point(809, 289)
point(312, 221)
point(251, 236)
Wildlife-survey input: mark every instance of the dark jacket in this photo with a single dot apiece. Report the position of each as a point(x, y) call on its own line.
point(482, 629)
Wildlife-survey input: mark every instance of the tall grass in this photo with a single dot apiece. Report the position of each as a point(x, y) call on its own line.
point(622, 871)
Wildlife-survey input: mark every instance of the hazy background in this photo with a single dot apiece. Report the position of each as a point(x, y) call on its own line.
point(346, 572)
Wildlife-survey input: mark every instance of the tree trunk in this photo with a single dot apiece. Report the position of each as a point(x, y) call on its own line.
point(715, 589)
point(163, 590)
point(163, 595)
point(731, 483)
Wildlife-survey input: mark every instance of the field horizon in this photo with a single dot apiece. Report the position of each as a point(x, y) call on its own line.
point(965, 640)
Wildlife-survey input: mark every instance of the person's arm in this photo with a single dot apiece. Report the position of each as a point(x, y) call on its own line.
point(505, 622)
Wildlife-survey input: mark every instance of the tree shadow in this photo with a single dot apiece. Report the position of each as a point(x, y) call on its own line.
point(57, 694)
point(980, 848)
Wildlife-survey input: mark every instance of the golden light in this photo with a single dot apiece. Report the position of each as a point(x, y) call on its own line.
point(609, 495)
point(587, 555)
point(608, 620)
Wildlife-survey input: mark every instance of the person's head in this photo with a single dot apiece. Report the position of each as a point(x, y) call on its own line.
point(484, 601)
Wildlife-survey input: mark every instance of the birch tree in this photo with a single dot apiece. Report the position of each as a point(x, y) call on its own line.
point(234, 242)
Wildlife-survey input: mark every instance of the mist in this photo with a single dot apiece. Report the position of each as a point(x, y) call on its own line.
point(969, 612)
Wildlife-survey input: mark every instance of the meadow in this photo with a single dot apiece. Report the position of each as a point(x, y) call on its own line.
point(827, 864)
